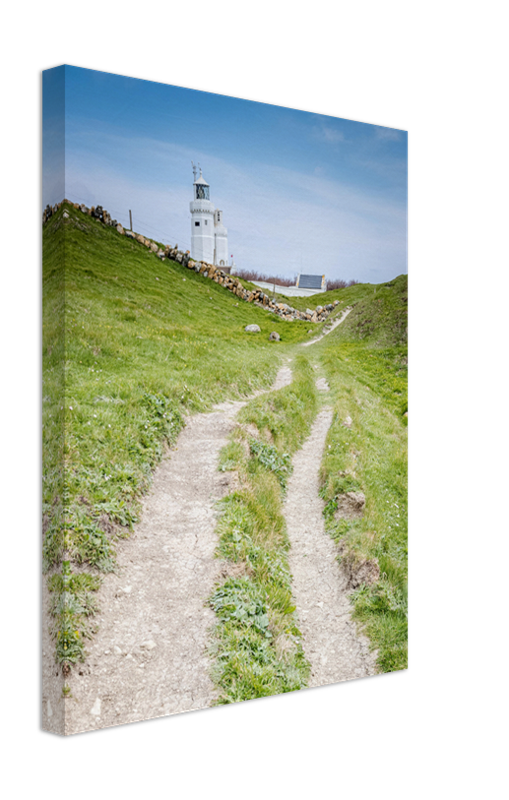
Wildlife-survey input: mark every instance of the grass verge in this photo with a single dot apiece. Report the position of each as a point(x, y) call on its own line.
point(256, 645)
point(368, 453)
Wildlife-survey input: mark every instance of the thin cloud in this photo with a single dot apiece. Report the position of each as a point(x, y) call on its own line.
point(341, 230)
point(327, 134)
point(388, 134)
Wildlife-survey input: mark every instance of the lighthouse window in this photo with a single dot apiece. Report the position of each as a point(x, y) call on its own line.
point(206, 221)
point(197, 224)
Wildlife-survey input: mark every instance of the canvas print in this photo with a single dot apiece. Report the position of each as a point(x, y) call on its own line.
point(224, 400)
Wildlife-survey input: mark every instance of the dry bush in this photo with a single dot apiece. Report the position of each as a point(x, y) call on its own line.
point(253, 275)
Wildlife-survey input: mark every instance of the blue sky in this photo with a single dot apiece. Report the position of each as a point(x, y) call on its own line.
point(299, 191)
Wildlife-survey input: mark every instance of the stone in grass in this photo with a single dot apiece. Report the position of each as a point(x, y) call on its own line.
point(275, 337)
point(252, 329)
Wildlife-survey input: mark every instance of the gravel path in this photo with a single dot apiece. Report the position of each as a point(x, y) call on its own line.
point(326, 331)
point(149, 657)
point(331, 643)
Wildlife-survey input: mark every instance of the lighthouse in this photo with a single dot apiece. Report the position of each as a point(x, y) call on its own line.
point(209, 237)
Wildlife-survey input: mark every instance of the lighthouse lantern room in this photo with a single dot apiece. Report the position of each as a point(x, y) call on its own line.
point(209, 237)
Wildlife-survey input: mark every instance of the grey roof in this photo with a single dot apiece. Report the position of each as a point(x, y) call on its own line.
point(310, 281)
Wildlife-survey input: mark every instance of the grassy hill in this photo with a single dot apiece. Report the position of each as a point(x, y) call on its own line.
point(365, 360)
point(145, 342)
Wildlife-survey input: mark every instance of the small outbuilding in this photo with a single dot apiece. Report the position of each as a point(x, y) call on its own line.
point(312, 282)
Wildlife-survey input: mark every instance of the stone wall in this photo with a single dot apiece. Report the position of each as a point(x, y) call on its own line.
point(258, 297)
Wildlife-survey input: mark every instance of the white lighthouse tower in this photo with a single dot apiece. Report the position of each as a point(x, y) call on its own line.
point(209, 237)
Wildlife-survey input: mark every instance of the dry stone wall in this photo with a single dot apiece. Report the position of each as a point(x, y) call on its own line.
point(230, 282)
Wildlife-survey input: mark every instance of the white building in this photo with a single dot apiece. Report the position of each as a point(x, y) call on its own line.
point(209, 237)
point(288, 291)
point(306, 286)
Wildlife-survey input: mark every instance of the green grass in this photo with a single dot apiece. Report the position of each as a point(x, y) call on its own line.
point(130, 345)
point(378, 317)
point(369, 384)
point(257, 648)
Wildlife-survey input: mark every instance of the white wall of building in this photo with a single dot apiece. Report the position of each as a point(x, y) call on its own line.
point(289, 291)
point(203, 233)
point(221, 234)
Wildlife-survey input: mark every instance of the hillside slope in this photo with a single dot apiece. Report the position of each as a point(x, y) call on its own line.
point(379, 316)
point(146, 342)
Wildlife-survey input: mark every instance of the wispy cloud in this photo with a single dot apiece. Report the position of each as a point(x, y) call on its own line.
point(328, 134)
point(388, 134)
point(279, 220)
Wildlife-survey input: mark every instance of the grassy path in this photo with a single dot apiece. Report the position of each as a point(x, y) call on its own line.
point(366, 452)
point(333, 646)
point(331, 643)
point(284, 618)
point(149, 656)
point(144, 343)
point(137, 345)
point(257, 643)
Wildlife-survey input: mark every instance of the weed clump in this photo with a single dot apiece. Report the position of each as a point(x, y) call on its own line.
point(269, 457)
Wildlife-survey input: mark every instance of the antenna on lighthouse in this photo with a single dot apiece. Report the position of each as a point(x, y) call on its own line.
point(194, 169)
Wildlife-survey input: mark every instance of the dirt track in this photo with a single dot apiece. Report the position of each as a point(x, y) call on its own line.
point(149, 658)
point(331, 643)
